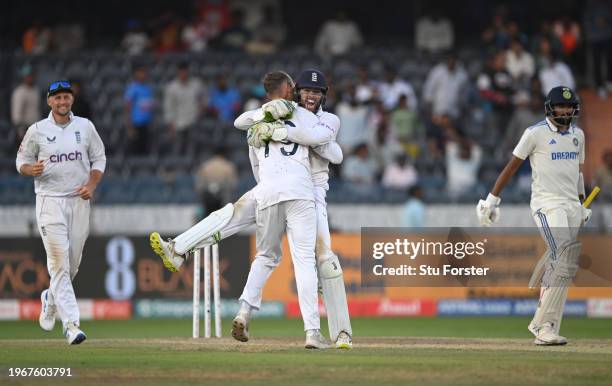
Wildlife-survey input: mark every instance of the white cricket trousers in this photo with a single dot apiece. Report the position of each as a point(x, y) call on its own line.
point(63, 223)
point(558, 225)
point(298, 218)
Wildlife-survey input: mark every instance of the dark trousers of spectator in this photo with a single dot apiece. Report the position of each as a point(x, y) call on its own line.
point(139, 144)
point(602, 62)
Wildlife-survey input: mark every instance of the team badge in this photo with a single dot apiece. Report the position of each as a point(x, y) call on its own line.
point(575, 140)
point(314, 77)
point(77, 136)
point(567, 94)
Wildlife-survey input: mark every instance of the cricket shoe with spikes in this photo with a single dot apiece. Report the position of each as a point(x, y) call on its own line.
point(240, 327)
point(165, 250)
point(48, 310)
point(73, 333)
point(314, 339)
point(546, 336)
point(344, 341)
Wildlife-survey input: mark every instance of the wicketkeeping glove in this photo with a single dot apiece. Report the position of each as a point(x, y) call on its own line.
point(263, 132)
point(488, 210)
point(278, 109)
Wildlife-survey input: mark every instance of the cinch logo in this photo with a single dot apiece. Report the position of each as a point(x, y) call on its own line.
point(73, 156)
point(564, 155)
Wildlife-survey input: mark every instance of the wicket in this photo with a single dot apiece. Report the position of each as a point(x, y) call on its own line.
point(208, 251)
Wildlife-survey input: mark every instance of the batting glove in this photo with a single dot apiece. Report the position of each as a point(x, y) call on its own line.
point(487, 210)
point(278, 109)
point(586, 215)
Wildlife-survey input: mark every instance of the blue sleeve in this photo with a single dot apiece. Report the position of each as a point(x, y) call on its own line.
point(130, 93)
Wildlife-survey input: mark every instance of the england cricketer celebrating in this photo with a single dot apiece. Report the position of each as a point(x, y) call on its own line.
point(65, 155)
point(311, 90)
point(555, 147)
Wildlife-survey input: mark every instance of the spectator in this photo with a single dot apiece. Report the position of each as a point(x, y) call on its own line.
point(365, 89)
point(25, 103)
point(527, 113)
point(270, 35)
point(195, 36)
point(519, 63)
point(224, 100)
point(139, 111)
point(603, 175)
point(434, 33)
point(183, 103)
point(360, 168)
point(495, 86)
point(338, 36)
point(400, 174)
point(168, 36)
point(354, 118)
point(555, 73)
point(568, 33)
point(598, 35)
point(236, 37)
point(444, 89)
point(391, 89)
point(413, 215)
point(136, 41)
point(216, 181)
point(407, 128)
point(68, 37)
point(36, 39)
point(463, 159)
point(81, 106)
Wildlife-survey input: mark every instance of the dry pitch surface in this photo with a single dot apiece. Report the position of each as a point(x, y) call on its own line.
point(281, 360)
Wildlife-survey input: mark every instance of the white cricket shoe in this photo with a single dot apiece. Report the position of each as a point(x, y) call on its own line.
point(314, 339)
point(48, 311)
point(240, 327)
point(546, 336)
point(344, 341)
point(73, 334)
point(165, 250)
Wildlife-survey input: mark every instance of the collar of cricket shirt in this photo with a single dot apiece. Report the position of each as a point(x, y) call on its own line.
point(70, 118)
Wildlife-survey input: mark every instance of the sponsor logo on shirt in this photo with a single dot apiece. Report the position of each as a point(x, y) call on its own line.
point(51, 140)
point(560, 155)
point(552, 142)
point(575, 140)
point(72, 156)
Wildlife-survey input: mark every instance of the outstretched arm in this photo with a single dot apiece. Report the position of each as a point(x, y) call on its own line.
point(248, 119)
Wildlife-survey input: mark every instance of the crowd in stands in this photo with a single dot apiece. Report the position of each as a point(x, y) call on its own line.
point(447, 134)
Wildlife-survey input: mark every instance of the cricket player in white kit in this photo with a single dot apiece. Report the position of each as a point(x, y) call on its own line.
point(555, 147)
point(311, 88)
point(65, 155)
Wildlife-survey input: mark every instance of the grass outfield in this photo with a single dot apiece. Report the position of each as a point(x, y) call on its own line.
point(447, 351)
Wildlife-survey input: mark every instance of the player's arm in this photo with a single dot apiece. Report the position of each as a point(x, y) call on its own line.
point(254, 163)
point(26, 162)
point(330, 151)
point(321, 133)
point(506, 175)
point(97, 158)
point(248, 119)
point(487, 210)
